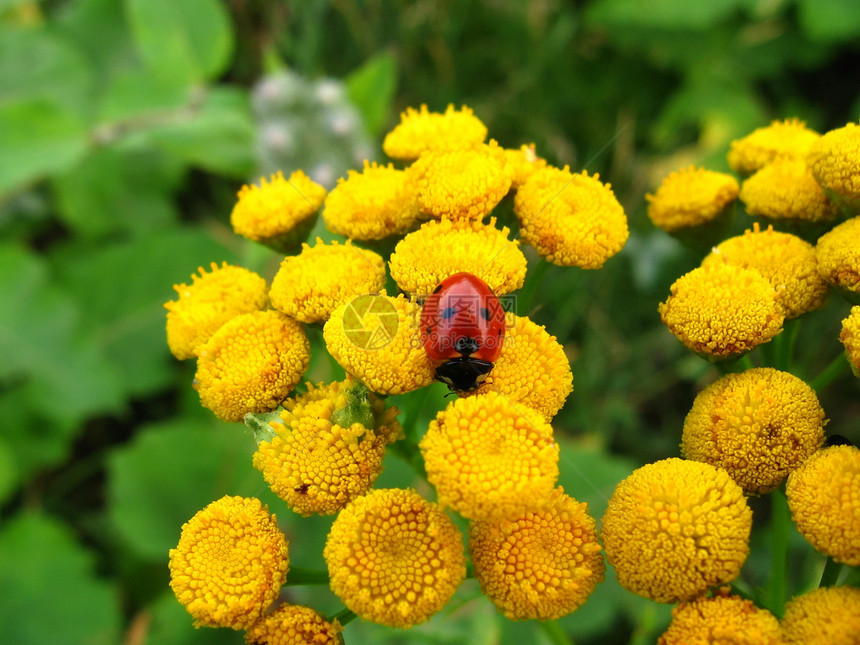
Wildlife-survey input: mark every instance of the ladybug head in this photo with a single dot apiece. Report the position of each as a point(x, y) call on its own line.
point(463, 374)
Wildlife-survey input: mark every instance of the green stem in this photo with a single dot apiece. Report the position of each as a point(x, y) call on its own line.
point(300, 576)
point(785, 348)
point(830, 574)
point(344, 617)
point(779, 525)
point(555, 633)
point(829, 373)
point(531, 285)
point(410, 453)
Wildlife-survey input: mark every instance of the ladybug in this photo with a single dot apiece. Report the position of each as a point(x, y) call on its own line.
point(463, 327)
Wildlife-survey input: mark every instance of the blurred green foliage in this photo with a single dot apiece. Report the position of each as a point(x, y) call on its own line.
point(125, 131)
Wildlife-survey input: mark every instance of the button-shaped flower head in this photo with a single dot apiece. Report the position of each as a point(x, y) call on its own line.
point(824, 498)
point(309, 286)
point(691, 197)
point(674, 528)
point(850, 337)
point(251, 364)
point(722, 310)
point(826, 615)
point(230, 563)
point(721, 619)
point(329, 448)
point(835, 163)
point(785, 189)
point(421, 130)
point(394, 558)
point(294, 625)
point(838, 256)
point(543, 564)
point(489, 458)
point(572, 220)
point(759, 425)
point(788, 138)
point(442, 248)
point(208, 302)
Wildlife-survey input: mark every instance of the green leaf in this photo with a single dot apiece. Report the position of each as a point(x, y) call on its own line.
point(138, 97)
point(9, 472)
point(664, 14)
point(371, 88)
point(172, 624)
point(38, 138)
point(831, 21)
point(100, 31)
point(185, 41)
point(50, 592)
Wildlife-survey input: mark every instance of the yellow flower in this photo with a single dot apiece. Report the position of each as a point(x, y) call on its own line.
point(394, 558)
point(329, 448)
point(523, 162)
point(211, 300)
point(542, 564)
point(294, 625)
point(280, 212)
point(835, 163)
point(759, 425)
point(572, 220)
point(691, 197)
point(786, 261)
point(376, 203)
point(721, 619)
point(532, 369)
point(850, 338)
point(421, 130)
point(674, 528)
point(722, 310)
point(461, 183)
point(251, 364)
point(489, 458)
point(838, 256)
point(441, 248)
point(309, 286)
point(824, 498)
point(789, 138)
point(230, 563)
point(786, 189)
point(827, 615)
point(377, 339)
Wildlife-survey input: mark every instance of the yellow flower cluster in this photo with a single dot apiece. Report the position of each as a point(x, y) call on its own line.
point(835, 163)
point(825, 615)
point(789, 138)
point(786, 189)
point(758, 425)
point(850, 337)
point(420, 131)
point(838, 254)
point(523, 162)
point(230, 563)
point(674, 528)
point(691, 197)
point(394, 558)
point(294, 625)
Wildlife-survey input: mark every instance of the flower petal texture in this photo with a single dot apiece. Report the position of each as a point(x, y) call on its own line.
point(835, 163)
point(230, 563)
point(489, 458)
point(441, 248)
point(294, 625)
point(394, 558)
point(827, 615)
point(786, 189)
point(421, 130)
point(838, 256)
point(824, 498)
point(674, 528)
point(758, 425)
point(722, 310)
point(571, 220)
point(788, 138)
point(309, 286)
point(251, 364)
point(543, 564)
point(850, 338)
point(691, 197)
point(208, 302)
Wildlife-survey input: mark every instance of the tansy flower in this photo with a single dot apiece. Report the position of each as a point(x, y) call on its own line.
point(850, 338)
point(838, 256)
point(421, 130)
point(394, 558)
point(461, 183)
point(789, 138)
point(721, 619)
point(279, 213)
point(251, 364)
point(532, 369)
point(489, 458)
point(691, 197)
point(786, 261)
point(835, 163)
point(722, 310)
point(824, 498)
point(329, 448)
point(674, 528)
point(230, 563)
point(441, 248)
point(542, 564)
point(373, 204)
point(208, 302)
point(572, 220)
point(785, 189)
point(826, 615)
point(523, 162)
point(759, 425)
point(294, 625)
point(309, 286)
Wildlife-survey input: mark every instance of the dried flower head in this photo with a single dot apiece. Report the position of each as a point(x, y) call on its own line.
point(786, 189)
point(850, 337)
point(826, 615)
point(691, 197)
point(421, 130)
point(838, 256)
point(788, 138)
point(835, 163)
point(294, 625)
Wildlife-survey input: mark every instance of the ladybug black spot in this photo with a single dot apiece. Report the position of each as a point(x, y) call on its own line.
point(448, 313)
point(485, 313)
point(429, 330)
point(438, 288)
